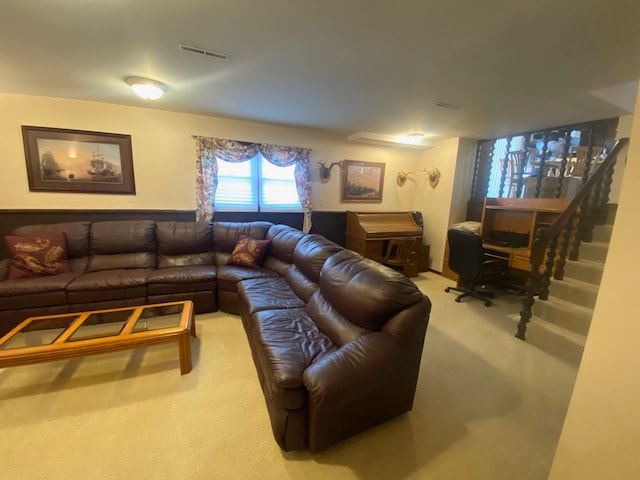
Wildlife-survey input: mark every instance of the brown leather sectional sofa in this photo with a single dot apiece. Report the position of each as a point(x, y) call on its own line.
point(336, 339)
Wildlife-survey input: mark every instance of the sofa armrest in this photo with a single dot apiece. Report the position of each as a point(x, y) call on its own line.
point(366, 382)
point(351, 371)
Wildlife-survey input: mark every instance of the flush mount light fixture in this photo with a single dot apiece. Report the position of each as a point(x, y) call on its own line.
point(146, 88)
point(413, 138)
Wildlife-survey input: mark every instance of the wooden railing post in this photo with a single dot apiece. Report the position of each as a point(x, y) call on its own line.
point(533, 283)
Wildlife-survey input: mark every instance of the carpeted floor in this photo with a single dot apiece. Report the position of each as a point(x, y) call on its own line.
point(488, 406)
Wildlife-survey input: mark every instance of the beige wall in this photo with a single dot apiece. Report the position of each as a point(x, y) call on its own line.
point(601, 435)
point(163, 155)
point(624, 131)
point(445, 204)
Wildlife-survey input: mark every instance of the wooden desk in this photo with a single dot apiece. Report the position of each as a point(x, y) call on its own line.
point(514, 215)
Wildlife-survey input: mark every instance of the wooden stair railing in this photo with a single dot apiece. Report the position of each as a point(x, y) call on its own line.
point(574, 225)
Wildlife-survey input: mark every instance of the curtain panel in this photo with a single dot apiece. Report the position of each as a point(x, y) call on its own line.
point(209, 150)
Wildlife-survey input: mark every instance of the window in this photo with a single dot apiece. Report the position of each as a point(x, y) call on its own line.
point(256, 185)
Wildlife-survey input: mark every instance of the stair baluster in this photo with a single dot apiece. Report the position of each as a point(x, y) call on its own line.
point(545, 281)
point(558, 273)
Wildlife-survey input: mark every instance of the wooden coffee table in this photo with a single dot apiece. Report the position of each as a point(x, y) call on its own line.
point(56, 337)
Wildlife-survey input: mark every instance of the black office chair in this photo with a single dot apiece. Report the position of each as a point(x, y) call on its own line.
point(468, 260)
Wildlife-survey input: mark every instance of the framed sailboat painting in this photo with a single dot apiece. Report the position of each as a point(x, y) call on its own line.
point(61, 160)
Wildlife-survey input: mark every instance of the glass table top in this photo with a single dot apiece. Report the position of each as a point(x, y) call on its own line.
point(41, 331)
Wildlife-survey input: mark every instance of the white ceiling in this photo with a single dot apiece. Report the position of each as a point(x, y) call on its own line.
point(343, 66)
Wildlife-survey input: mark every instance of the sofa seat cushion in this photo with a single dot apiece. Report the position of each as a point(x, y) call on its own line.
point(35, 291)
point(188, 274)
point(230, 275)
point(182, 280)
point(285, 343)
point(267, 294)
point(109, 285)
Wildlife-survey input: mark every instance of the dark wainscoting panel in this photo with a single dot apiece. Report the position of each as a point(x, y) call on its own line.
point(332, 225)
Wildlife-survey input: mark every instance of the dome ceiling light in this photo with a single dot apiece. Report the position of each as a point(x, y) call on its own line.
point(146, 88)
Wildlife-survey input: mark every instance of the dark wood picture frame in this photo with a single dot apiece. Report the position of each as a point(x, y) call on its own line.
point(62, 160)
point(362, 182)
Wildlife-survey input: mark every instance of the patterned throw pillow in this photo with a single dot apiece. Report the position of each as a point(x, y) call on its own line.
point(249, 252)
point(45, 254)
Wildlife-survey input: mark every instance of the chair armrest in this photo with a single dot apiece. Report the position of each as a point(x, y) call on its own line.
point(357, 368)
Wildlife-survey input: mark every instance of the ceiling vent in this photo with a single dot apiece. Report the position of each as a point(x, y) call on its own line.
point(203, 51)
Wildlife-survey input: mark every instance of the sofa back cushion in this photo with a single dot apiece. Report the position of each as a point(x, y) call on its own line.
point(122, 244)
point(184, 243)
point(309, 256)
point(331, 322)
point(283, 241)
point(77, 239)
point(311, 253)
point(363, 291)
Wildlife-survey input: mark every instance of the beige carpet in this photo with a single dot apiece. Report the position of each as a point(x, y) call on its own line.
point(488, 406)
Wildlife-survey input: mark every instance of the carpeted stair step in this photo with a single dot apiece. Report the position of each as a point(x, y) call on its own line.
point(556, 340)
point(594, 251)
point(602, 233)
point(584, 270)
point(564, 314)
point(575, 291)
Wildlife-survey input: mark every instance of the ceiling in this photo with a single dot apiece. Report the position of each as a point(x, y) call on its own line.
point(342, 66)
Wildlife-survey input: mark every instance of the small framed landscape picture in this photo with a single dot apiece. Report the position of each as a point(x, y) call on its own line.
point(362, 181)
point(61, 160)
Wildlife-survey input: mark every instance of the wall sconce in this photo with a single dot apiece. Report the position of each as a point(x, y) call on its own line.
point(325, 172)
point(432, 176)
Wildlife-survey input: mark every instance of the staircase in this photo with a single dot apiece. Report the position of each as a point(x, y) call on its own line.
point(568, 311)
